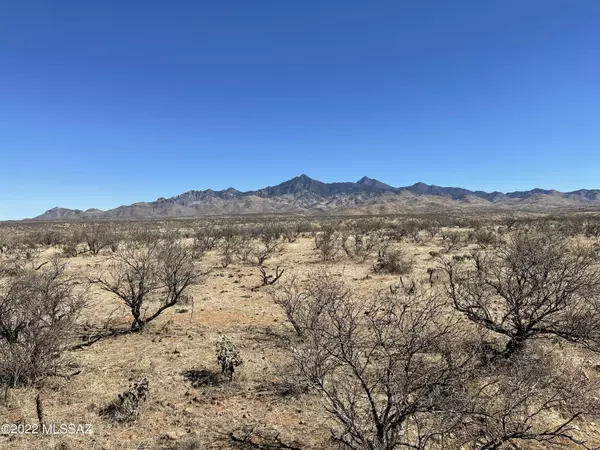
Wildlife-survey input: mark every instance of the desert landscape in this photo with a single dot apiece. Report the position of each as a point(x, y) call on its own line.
point(315, 225)
point(471, 331)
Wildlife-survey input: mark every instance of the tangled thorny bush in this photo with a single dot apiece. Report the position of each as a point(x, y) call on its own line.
point(536, 285)
point(304, 303)
point(228, 356)
point(358, 246)
point(268, 280)
point(145, 273)
point(38, 311)
point(405, 230)
point(206, 237)
point(592, 228)
point(393, 261)
point(269, 235)
point(97, 236)
point(127, 406)
point(386, 368)
point(485, 238)
point(452, 240)
point(261, 253)
point(233, 243)
point(400, 370)
point(431, 227)
point(70, 248)
point(268, 243)
point(47, 236)
point(21, 256)
point(243, 247)
point(291, 233)
point(6, 240)
point(329, 243)
point(536, 396)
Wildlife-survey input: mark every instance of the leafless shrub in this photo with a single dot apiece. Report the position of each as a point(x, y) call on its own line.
point(415, 236)
point(268, 244)
point(47, 236)
point(451, 240)
point(485, 238)
point(432, 228)
point(140, 235)
point(510, 222)
point(38, 310)
point(22, 257)
point(160, 273)
point(537, 285)
point(128, 405)
point(269, 236)
point(243, 247)
point(291, 233)
point(6, 241)
point(385, 369)
point(203, 239)
point(402, 230)
point(261, 253)
point(592, 228)
point(392, 261)
point(206, 237)
point(329, 243)
point(359, 247)
point(303, 303)
point(96, 236)
point(572, 226)
point(293, 300)
point(69, 248)
point(228, 357)
point(197, 250)
point(530, 398)
point(268, 280)
point(230, 244)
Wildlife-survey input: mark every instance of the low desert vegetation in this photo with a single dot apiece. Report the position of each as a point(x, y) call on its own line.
point(38, 312)
point(127, 406)
point(157, 273)
point(228, 357)
point(394, 332)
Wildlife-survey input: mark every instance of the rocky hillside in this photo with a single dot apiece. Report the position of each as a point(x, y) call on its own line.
point(305, 195)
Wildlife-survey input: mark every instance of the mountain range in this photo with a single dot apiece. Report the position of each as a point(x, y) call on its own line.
point(304, 195)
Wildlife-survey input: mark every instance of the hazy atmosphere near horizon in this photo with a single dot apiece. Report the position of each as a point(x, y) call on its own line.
point(105, 103)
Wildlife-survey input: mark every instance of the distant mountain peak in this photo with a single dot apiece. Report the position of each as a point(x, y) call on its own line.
point(302, 179)
point(303, 194)
point(366, 181)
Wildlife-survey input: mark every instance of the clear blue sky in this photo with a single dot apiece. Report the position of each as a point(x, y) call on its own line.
point(104, 103)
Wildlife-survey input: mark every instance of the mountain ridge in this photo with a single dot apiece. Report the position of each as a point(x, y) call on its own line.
point(303, 194)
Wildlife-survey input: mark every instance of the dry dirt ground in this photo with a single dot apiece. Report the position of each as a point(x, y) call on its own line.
point(177, 347)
